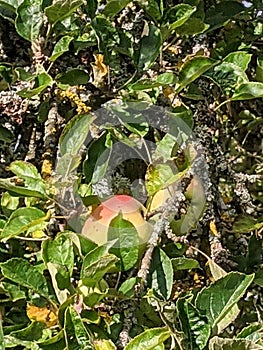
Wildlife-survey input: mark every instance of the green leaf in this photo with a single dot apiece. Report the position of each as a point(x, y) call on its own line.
point(194, 325)
point(73, 77)
point(186, 115)
point(227, 76)
point(66, 165)
point(192, 69)
point(153, 8)
point(32, 332)
point(127, 287)
point(57, 342)
point(13, 291)
point(253, 332)
point(11, 4)
point(127, 246)
point(132, 119)
point(76, 333)
point(248, 91)
point(61, 9)
point(150, 46)
point(114, 6)
point(259, 70)
point(192, 26)
point(149, 339)
point(8, 203)
point(59, 251)
point(23, 273)
point(107, 37)
point(178, 15)
point(61, 46)
point(184, 263)
point(2, 345)
point(96, 264)
point(58, 256)
point(7, 12)
point(215, 304)
point(245, 224)
point(22, 220)
point(217, 343)
point(12, 342)
point(222, 12)
point(253, 257)
point(161, 274)
point(6, 135)
point(259, 278)
point(29, 173)
point(98, 157)
point(145, 84)
point(8, 185)
point(42, 81)
point(75, 133)
point(239, 58)
point(216, 271)
point(104, 344)
point(29, 19)
point(161, 175)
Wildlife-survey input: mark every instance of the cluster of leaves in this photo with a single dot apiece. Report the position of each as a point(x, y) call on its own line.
point(63, 291)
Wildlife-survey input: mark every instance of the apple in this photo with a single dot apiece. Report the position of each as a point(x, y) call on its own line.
point(97, 223)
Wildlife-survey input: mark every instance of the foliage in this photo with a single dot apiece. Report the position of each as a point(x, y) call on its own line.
point(58, 288)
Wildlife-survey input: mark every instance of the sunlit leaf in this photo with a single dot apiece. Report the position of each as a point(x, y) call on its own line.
point(76, 333)
point(239, 58)
point(23, 273)
point(29, 19)
point(149, 339)
point(161, 274)
point(61, 46)
point(192, 26)
point(126, 248)
point(216, 305)
point(194, 324)
point(14, 291)
point(161, 175)
point(192, 69)
point(184, 263)
point(217, 343)
point(30, 175)
point(95, 264)
point(75, 133)
point(227, 76)
point(178, 15)
point(248, 91)
point(127, 287)
point(42, 81)
point(61, 9)
point(22, 220)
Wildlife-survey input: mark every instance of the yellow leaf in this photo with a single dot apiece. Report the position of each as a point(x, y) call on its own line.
point(100, 65)
point(100, 70)
point(213, 228)
point(47, 169)
point(42, 314)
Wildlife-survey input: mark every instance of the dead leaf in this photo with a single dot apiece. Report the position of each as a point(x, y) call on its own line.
point(42, 314)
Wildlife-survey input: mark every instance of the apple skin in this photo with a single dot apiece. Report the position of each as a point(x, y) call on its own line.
point(97, 223)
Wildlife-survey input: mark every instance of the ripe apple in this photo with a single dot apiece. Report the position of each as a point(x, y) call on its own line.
point(97, 224)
